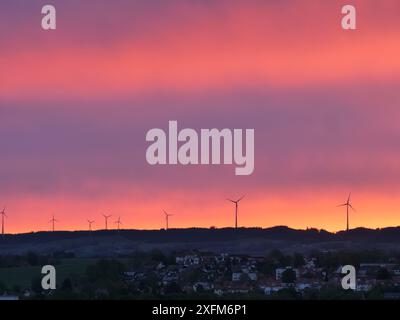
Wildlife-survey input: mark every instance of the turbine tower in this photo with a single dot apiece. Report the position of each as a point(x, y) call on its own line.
point(167, 215)
point(118, 222)
point(347, 205)
point(3, 214)
point(90, 224)
point(52, 222)
point(236, 209)
point(106, 219)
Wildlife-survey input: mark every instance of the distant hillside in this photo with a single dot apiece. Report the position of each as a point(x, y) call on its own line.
point(176, 235)
point(255, 240)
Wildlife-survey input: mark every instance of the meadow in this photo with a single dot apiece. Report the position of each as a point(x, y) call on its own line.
point(22, 276)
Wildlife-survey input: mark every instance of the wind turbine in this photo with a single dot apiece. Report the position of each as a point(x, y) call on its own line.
point(167, 215)
point(347, 205)
point(52, 221)
point(90, 224)
point(106, 219)
point(3, 214)
point(236, 209)
point(118, 222)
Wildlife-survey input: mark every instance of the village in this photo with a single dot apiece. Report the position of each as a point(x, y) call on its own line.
point(228, 274)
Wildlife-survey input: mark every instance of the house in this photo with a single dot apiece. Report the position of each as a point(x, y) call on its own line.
point(188, 260)
point(301, 286)
point(203, 286)
point(271, 286)
point(238, 258)
point(221, 258)
point(170, 277)
point(396, 270)
point(310, 265)
point(252, 275)
point(268, 290)
point(236, 274)
point(248, 270)
point(364, 285)
point(304, 284)
point(134, 275)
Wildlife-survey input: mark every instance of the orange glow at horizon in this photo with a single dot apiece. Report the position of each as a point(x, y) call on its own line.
point(299, 212)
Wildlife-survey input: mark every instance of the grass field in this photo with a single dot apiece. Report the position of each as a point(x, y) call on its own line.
point(22, 276)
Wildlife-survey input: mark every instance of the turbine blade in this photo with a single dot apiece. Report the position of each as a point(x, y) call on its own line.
point(352, 207)
point(241, 198)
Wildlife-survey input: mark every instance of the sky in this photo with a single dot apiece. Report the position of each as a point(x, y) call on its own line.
point(76, 104)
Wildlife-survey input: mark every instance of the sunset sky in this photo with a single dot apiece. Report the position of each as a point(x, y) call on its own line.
point(76, 104)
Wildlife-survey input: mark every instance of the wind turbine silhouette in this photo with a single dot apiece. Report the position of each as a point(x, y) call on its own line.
point(236, 209)
point(347, 205)
point(3, 214)
point(106, 219)
point(118, 222)
point(90, 224)
point(52, 221)
point(167, 215)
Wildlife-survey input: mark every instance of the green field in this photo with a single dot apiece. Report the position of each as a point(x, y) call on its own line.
point(22, 276)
